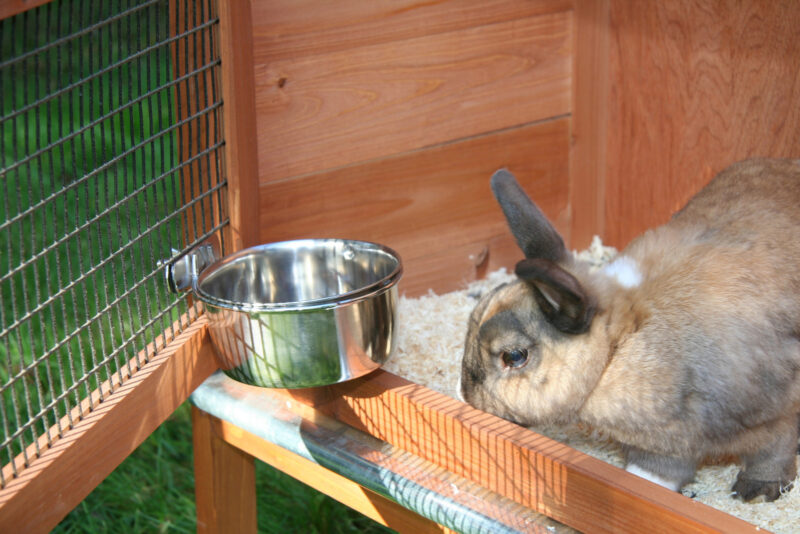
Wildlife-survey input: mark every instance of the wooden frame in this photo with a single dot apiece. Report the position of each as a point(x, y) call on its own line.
point(225, 489)
point(531, 470)
point(59, 479)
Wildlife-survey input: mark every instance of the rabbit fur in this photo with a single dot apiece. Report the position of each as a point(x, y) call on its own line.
point(686, 346)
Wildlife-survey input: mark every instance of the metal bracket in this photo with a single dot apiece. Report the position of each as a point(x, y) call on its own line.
point(182, 270)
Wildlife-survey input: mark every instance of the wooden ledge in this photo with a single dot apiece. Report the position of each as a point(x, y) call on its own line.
point(386, 483)
point(530, 469)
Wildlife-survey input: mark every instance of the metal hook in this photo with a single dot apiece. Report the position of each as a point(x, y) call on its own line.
point(182, 271)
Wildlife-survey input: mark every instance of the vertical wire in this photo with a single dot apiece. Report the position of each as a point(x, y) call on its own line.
point(179, 113)
point(7, 449)
point(54, 393)
point(109, 154)
point(71, 117)
point(104, 178)
point(33, 266)
point(8, 341)
point(143, 64)
point(94, 104)
point(126, 302)
point(156, 119)
point(26, 150)
point(168, 145)
point(189, 127)
point(199, 89)
point(116, 263)
point(143, 195)
point(200, 59)
point(217, 127)
point(59, 61)
point(89, 155)
point(3, 414)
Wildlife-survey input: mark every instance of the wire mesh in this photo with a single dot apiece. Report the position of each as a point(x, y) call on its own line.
point(111, 156)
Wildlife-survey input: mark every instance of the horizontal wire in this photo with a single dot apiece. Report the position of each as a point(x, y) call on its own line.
point(84, 276)
point(108, 164)
point(79, 33)
point(104, 70)
point(108, 116)
point(88, 375)
point(107, 211)
point(97, 367)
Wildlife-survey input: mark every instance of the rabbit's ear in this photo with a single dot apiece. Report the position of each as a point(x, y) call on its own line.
point(534, 234)
point(560, 296)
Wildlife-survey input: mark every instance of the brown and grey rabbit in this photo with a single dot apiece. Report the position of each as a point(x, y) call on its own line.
point(686, 346)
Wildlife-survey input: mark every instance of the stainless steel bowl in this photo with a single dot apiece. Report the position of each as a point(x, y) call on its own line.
point(298, 313)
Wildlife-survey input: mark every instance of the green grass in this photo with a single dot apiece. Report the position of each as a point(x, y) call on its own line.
point(153, 489)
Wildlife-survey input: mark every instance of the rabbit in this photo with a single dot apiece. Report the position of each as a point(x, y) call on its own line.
point(686, 346)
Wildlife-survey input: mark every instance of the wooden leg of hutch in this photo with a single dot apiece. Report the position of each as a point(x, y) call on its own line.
point(225, 483)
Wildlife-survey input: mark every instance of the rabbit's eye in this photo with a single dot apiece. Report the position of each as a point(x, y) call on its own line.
point(515, 358)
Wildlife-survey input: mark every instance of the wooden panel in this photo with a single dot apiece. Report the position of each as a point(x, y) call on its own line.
point(238, 93)
point(344, 490)
point(334, 109)
point(433, 206)
point(64, 474)
point(537, 472)
point(295, 28)
point(694, 86)
point(589, 122)
point(224, 481)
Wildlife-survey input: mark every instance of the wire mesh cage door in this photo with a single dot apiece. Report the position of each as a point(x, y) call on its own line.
point(111, 158)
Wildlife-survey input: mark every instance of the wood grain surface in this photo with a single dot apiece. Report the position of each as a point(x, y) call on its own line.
point(694, 86)
point(589, 122)
point(241, 157)
point(433, 206)
point(296, 28)
point(225, 481)
point(334, 109)
point(378, 508)
point(535, 471)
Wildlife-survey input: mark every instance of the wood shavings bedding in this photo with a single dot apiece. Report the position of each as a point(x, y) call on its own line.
point(430, 345)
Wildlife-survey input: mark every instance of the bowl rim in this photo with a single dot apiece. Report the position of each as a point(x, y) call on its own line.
point(334, 301)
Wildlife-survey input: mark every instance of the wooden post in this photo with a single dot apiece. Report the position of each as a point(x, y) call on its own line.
point(587, 158)
point(225, 481)
point(238, 93)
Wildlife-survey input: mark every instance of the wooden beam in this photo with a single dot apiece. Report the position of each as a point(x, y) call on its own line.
point(238, 93)
point(587, 158)
point(535, 471)
point(344, 490)
point(55, 482)
point(224, 480)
